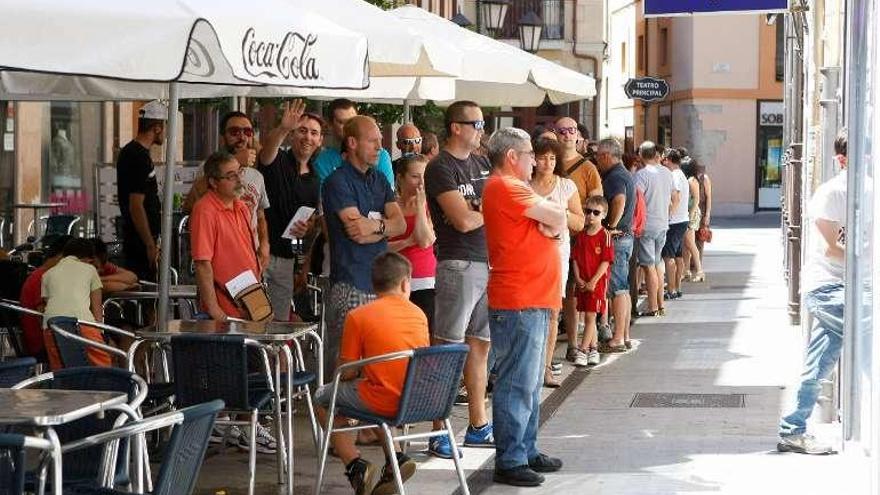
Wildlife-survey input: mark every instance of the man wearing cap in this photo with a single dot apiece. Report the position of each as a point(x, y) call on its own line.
point(138, 192)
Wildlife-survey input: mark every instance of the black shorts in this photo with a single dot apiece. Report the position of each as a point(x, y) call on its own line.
point(674, 240)
point(135, 255)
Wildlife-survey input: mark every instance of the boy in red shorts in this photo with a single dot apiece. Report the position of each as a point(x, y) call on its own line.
point(592, 254)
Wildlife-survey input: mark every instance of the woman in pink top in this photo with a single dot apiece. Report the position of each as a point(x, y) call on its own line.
point(417, 242)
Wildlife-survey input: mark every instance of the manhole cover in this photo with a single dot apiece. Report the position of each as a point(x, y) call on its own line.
point(688, 400)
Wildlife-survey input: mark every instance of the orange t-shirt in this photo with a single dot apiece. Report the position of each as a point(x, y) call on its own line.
point(524, 266)
point(586, 177)
point(222, 235)
point(388, 324)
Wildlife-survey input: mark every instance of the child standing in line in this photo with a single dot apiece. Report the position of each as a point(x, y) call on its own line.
point(592, 254)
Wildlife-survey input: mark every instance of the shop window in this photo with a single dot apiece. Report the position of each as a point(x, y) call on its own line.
point(780, 49)
point(640, 49)
point(664, 47)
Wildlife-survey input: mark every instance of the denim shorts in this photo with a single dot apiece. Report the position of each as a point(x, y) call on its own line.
point(651, 247)
point(619, 282)
point(346, 396)
point(674, 240)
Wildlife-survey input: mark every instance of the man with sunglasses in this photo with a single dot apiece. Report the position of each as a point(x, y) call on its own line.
point(237, 139)
point(454, 185)
point(138, 192)
point(409, 140)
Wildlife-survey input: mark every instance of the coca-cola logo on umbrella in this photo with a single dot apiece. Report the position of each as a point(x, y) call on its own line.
point(289, 58)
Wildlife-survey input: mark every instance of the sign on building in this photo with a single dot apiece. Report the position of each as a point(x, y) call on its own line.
point(646, 89)
point(663, 8)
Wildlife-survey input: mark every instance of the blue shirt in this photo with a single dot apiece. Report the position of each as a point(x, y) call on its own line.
point(329, 159)
point(346, 187)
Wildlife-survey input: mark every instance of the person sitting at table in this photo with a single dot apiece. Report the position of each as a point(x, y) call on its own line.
point(73, 288)
point(32, 298)
point(113, 277)
point(391, 323)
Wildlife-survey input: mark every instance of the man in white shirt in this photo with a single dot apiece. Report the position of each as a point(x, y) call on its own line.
point(655, 182)
point(678, 223)
point(823, 281)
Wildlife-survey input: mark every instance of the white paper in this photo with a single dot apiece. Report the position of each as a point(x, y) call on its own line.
point(241, 282)
point(301, 215)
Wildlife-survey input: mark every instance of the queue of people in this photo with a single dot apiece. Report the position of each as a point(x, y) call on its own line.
point(483, 241)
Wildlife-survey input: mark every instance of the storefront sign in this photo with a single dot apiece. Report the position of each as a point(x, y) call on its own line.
point(661, 8)
point(646, 89)
point(772, 113)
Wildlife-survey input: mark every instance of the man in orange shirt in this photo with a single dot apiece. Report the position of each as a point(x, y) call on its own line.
point(389, 324)
point(222, 240)
point(524, 278)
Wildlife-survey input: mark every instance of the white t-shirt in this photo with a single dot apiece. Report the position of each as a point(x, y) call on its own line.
point(680, 184)
point(655, 181)
point(254, 195)
point(828, 203)
point(561, 193)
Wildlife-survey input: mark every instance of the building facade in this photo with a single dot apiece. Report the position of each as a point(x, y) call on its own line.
point(725, 101)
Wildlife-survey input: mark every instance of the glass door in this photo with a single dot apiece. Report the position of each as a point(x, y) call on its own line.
point(769, 149)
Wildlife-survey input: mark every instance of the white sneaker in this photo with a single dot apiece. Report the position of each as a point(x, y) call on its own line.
point(266, 443)
point(803, 444)
point(225, 434)
point(593, 357)
point(581, 359)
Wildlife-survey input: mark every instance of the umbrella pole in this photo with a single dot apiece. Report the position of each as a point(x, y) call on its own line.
point(407, 114)
point(167, 208)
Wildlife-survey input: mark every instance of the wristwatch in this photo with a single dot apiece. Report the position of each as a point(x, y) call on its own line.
point(476, 203)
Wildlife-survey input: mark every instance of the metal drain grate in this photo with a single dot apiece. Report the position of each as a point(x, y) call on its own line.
point(688, 400)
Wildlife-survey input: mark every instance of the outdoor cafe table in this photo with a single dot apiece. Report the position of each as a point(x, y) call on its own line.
point(275, 336)
point(45, 409)
point(188, 292)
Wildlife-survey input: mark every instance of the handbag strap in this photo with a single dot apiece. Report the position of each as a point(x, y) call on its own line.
point(573, 169)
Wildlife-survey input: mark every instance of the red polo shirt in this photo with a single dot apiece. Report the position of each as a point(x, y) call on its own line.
point(222, 235)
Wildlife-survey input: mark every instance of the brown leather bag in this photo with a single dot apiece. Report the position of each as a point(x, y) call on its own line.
point(254, 301)
point(704, 234)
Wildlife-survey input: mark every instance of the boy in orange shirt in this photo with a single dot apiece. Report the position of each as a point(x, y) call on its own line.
point(391, 323)
point(592, 254)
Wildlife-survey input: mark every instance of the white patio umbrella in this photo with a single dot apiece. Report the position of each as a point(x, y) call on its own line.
point(99, 50)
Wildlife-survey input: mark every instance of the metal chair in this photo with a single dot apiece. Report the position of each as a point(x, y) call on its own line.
point(181, 459)
point(429, 391)
point(56, 226)
point(11, 333)
point(13, 460)
point(210, 367)
point(16, 370)
point(72, 346)
point(84, 466)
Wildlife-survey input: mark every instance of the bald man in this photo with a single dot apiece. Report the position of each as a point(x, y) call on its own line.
point(409, 140)
point(361, 214)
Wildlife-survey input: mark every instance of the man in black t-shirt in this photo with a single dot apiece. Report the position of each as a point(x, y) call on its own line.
point(138, 193)
point(454, 183)
point(620, 192)
point(290, 184)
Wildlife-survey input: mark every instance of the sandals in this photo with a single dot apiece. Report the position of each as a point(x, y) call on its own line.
point(699, 277)
point(606, 348)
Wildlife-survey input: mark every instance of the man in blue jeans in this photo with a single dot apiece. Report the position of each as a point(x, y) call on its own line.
point(620, 192)
point(524, 285)
point(823, 281)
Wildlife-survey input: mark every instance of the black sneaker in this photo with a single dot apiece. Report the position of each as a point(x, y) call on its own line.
point(462, 397)
point(387, 485)
point(518, 476)
point(362, 476)
point(543, 463)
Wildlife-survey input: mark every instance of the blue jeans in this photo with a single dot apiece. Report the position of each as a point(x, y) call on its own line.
point(518, 341)
point(623, 247)
point(823, 351)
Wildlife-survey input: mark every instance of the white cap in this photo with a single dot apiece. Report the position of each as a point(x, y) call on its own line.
point(154, 110)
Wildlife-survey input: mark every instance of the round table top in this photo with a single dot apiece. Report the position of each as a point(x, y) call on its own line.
point(38, 205)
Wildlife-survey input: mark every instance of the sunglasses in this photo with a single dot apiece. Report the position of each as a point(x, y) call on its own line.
point(238, 131)
point(478, 124)
point(567, 130)
point(595, 213)
point(410, 141)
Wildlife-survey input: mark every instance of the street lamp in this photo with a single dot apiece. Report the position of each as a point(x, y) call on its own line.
point(493, 13)
point(530, 27)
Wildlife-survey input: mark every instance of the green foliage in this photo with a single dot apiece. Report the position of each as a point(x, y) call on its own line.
point(382, 4)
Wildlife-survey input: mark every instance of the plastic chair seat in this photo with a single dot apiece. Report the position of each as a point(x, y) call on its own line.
point(300, 378)
point(366, 417)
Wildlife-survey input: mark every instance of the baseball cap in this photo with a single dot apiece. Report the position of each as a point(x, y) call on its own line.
point(154, 110)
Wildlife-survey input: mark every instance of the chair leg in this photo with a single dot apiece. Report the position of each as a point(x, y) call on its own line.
point(316, 430)
point(322, 458)
point(252, 459)
point(389, 441)
point(459, 470)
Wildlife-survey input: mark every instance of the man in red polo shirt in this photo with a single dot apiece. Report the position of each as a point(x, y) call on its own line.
point(222, 241)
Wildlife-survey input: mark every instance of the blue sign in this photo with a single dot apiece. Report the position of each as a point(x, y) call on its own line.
point(661, 8)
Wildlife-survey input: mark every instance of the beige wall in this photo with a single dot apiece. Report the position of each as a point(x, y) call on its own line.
point(726, 52)
point(29, 118)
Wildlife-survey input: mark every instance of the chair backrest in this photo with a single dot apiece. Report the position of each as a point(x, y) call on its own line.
point(186, 448)
point(16, 370)
point(431, 385)
point(10, 320)
point(12, 464)
point(210, 367)
point(71, 352)
point(85, 464)
point(60, 224)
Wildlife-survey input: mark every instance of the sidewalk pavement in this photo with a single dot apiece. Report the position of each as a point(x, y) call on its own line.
point(729, 335)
